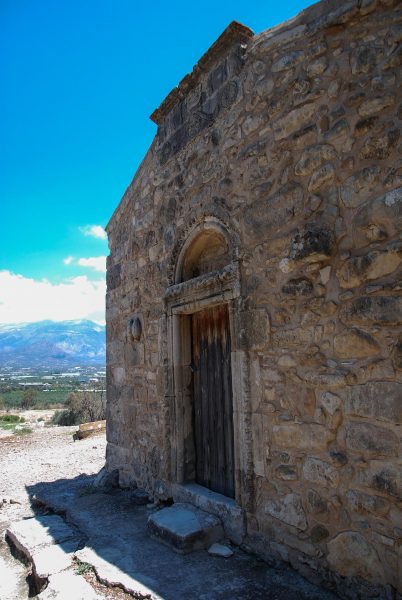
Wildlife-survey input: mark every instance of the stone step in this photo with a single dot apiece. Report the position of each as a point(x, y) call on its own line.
point(185, 528)
point(47, 543)
point(30, 535)
point(232, 516)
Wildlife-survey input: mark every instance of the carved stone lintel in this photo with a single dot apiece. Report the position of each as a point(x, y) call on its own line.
point(209, 280)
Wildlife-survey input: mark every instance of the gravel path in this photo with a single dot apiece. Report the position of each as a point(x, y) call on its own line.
point(47, 454)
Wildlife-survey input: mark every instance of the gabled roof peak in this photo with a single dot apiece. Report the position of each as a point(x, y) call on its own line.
point(235, 33)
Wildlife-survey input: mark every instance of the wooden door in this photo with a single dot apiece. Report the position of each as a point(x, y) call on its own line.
point(212, 393)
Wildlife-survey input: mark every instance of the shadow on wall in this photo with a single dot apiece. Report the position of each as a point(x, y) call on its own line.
point(112, 527)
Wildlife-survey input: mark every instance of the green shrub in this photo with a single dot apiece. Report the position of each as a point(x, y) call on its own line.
point(65, 418)
point(7, 426)
point(12, 419)
point(82, 407)
point(82, 567)
point(10, 422)
point(23, 431)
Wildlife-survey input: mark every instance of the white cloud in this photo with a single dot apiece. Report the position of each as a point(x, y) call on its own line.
point(27, 300)
point(96, 231)
point(98, 263)
point(94, 262)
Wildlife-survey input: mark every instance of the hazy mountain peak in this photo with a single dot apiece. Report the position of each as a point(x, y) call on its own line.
point(52, 344)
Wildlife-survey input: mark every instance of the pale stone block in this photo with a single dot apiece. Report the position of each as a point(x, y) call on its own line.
point(367, 437)
point(355, 344)
point(331, 402)
point(372, 265)
point(356, 188)
point(380, 400)
point(185, 528)
point(385, 310)
point(288, 509)
point(119, 375)
point(288, 61)
point(286, 362)
point(303, 436)
point(317, 67)
point(352, 556)
point(322, 178)
point(321, 472)
point(367, 503)
point(294, 120)
point(325, 274)
point(375, 105)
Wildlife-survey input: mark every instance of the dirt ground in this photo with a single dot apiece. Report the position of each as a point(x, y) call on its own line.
point(47, 454)
point(41, 456)
point(34, 419)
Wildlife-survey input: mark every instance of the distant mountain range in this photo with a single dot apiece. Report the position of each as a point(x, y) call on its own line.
point(52, 344)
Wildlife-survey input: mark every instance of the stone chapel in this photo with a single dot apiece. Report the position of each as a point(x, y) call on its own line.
point(254, 296)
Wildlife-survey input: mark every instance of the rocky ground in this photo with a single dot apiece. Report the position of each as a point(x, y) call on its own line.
point(48, 469)
point(47, 454)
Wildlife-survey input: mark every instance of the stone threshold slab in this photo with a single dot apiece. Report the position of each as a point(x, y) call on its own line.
point(185, 528)
point(231, 514)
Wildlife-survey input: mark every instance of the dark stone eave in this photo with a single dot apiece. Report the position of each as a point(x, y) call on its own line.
point(235, 33)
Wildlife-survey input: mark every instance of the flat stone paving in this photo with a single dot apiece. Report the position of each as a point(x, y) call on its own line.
point(67, 585)
point(31, 535)
point(119, 547)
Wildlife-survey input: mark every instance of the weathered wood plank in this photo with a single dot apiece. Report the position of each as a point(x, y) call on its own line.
point(213, 410)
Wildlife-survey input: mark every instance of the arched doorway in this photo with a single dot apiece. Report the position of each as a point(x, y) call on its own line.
point(200, 313)
point(211, 377)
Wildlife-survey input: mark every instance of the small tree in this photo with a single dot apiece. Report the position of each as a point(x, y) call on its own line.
point(28, 398)
point(82, 407)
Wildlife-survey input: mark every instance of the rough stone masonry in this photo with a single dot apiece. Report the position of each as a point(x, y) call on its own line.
point(272, 192)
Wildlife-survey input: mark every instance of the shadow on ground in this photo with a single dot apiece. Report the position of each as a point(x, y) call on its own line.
point(117, 544)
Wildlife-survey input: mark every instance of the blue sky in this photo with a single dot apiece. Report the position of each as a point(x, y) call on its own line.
point(79, 79)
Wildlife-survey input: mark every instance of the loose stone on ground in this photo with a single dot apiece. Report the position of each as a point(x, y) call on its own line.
point(220, 550)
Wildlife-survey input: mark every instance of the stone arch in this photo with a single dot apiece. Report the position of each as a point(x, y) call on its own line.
point(204, 274)
point(208, 245)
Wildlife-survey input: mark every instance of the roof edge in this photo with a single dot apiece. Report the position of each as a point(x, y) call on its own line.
point(234, 33)
point(126, 196)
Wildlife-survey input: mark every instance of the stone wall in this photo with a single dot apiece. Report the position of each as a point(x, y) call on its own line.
point(292, 140)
